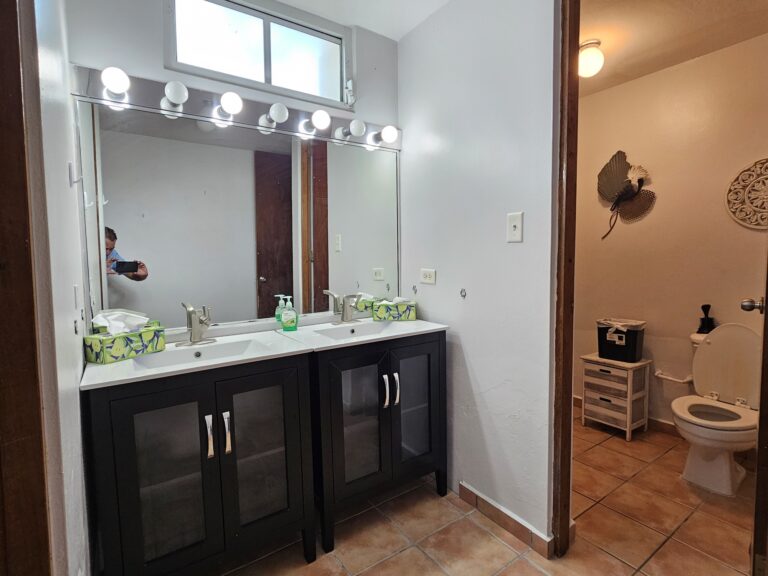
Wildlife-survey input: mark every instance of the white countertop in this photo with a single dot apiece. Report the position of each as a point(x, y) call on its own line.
point(246, 348)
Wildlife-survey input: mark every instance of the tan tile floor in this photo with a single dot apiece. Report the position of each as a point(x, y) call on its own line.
point(634, 515)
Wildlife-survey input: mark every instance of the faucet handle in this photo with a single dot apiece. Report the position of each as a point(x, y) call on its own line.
point(207, 317)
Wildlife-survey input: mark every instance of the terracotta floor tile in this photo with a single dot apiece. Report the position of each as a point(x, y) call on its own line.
point(521, 567)
point(579, 504)
point(618, 535)
point(722, 541)
point(589, 433)
point(420, 512)
point(668, 483)
point(676, 559)
point(499, 531)
point(616, 464)
point(396, 491)
point(349, 511)
point(737, 511)
point(674, 459)
point(465, 549)
point(592, 483)
point(457, 502)
point(580, 446)
point(649, 508)
point(658, 438)
point(367, 539)
point(582, 559)
point(577, 413)
point(638, 449)
point(290, 562)
point(409, 561)
point(747, 488)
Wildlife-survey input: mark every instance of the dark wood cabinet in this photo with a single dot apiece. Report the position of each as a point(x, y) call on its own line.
point(198, 473)
point(379, 419)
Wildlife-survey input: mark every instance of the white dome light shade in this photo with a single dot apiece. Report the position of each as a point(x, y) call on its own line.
point(357, 128)
point(231, 103)
point(115, 80)
point(389, 134)
point(321, 119)
point(591, 58)
point(278, 112)
point(176, 92)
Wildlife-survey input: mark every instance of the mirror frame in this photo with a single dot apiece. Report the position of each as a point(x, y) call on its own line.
point(145, 95)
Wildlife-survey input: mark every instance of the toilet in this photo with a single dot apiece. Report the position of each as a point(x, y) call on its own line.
point(721, 418)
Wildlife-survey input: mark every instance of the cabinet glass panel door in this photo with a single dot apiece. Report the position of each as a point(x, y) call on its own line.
point(168, 481)
point(414, 369)
point(361, 429)
point(262, 457)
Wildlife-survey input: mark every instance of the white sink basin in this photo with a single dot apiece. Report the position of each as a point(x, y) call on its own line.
point(353, 330)
point(175, 354)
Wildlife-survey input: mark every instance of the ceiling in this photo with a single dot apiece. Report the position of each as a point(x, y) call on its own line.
point(390, 18)
point(642, 36)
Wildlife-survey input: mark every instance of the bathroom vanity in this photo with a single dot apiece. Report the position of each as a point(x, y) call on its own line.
point(201, 458)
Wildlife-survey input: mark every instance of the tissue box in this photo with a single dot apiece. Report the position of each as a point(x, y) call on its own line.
point(398, 312)
point(365, 304)
point(104, 348)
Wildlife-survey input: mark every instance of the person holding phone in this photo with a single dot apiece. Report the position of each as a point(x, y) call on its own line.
point(116, 264)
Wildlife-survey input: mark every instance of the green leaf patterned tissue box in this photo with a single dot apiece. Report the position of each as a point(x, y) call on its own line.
point(387, 311)
point(104, 348)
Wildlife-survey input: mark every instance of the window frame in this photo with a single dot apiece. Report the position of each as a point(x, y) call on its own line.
point(269, 12)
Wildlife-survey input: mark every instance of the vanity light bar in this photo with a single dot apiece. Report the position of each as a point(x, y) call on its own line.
point(175, 100)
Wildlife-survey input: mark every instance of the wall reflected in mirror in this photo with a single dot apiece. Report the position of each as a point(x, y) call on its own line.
point(183, 210)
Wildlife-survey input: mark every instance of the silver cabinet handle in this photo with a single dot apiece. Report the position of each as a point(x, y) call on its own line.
point(386, 391)
point(397, 389)
point(209, 428)
point(262, 279)
point(228, 431)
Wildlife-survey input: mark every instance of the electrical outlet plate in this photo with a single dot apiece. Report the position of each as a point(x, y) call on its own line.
point(428, 276)
point(514, 227)
point(337, 243)
point(378, 274)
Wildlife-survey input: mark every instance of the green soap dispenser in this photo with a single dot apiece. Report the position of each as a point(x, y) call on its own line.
point(280, 307)
point(289, 318)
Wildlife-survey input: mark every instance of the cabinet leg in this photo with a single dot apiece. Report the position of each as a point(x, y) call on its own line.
point(327, 533)
point(441, 479)
point(310, 549)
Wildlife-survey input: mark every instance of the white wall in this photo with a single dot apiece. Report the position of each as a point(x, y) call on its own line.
point(476, 108)
point(362, 209)
point(694, 127)
point(62, 405)
point(130, 35)
point(188, 211)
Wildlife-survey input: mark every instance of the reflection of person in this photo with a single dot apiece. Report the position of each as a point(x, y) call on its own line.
point(113, 257)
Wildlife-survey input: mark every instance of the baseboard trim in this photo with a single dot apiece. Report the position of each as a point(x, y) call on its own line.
point(504, 518)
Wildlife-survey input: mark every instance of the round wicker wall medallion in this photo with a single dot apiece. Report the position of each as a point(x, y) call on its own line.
point(747, 198)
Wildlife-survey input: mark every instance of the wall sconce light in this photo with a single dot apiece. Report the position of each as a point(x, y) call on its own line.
point(591, 58)
point(116, 84)
point(388, 135)
point(278, 113)
point(230, 104)
point(356, 128)
point(321, 119)
point(176, 94)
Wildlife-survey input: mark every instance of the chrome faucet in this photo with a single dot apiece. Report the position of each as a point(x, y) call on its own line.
point(198, 321)
point(343, 305)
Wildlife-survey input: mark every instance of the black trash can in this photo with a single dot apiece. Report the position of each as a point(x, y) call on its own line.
point(620, 339)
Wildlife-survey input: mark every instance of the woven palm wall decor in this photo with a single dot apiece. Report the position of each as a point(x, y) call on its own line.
point(747, 197)
point(621, 184)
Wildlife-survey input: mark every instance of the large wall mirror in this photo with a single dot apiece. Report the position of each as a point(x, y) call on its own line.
point(230, 216)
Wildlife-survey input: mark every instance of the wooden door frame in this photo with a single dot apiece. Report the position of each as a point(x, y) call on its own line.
point(25, 539)
point(564, 291)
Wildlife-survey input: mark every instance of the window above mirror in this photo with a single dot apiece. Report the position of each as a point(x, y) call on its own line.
point(227, 41)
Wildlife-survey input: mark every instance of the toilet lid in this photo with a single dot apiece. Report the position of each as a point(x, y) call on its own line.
point(728, 362)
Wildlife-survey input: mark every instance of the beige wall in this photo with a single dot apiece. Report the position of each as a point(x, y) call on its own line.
point(694, 127)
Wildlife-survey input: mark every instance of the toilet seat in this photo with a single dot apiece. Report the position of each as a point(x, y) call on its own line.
point(743, 418)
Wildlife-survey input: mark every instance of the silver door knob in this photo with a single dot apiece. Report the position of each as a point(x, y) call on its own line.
point(262, 279)
point(749, 304)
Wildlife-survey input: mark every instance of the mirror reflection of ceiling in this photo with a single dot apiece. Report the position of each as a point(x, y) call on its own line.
point(186, 130)
point(643, 36)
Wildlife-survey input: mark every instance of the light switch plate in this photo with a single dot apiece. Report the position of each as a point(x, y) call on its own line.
point(515, 227)
point(337, 243)
point(428, 276)
point(378, 274)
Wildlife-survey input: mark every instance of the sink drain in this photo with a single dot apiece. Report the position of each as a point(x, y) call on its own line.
point(198, 354)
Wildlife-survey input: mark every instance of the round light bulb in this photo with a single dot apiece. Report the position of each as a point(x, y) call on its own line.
point(231, 103)
point(321, 119)
point(591, 59)
point(205, 126)
point(389, 134)
point(115, 80)
point(278, 112)
point(172, 110)
point(357, 128)
point(176, 92)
